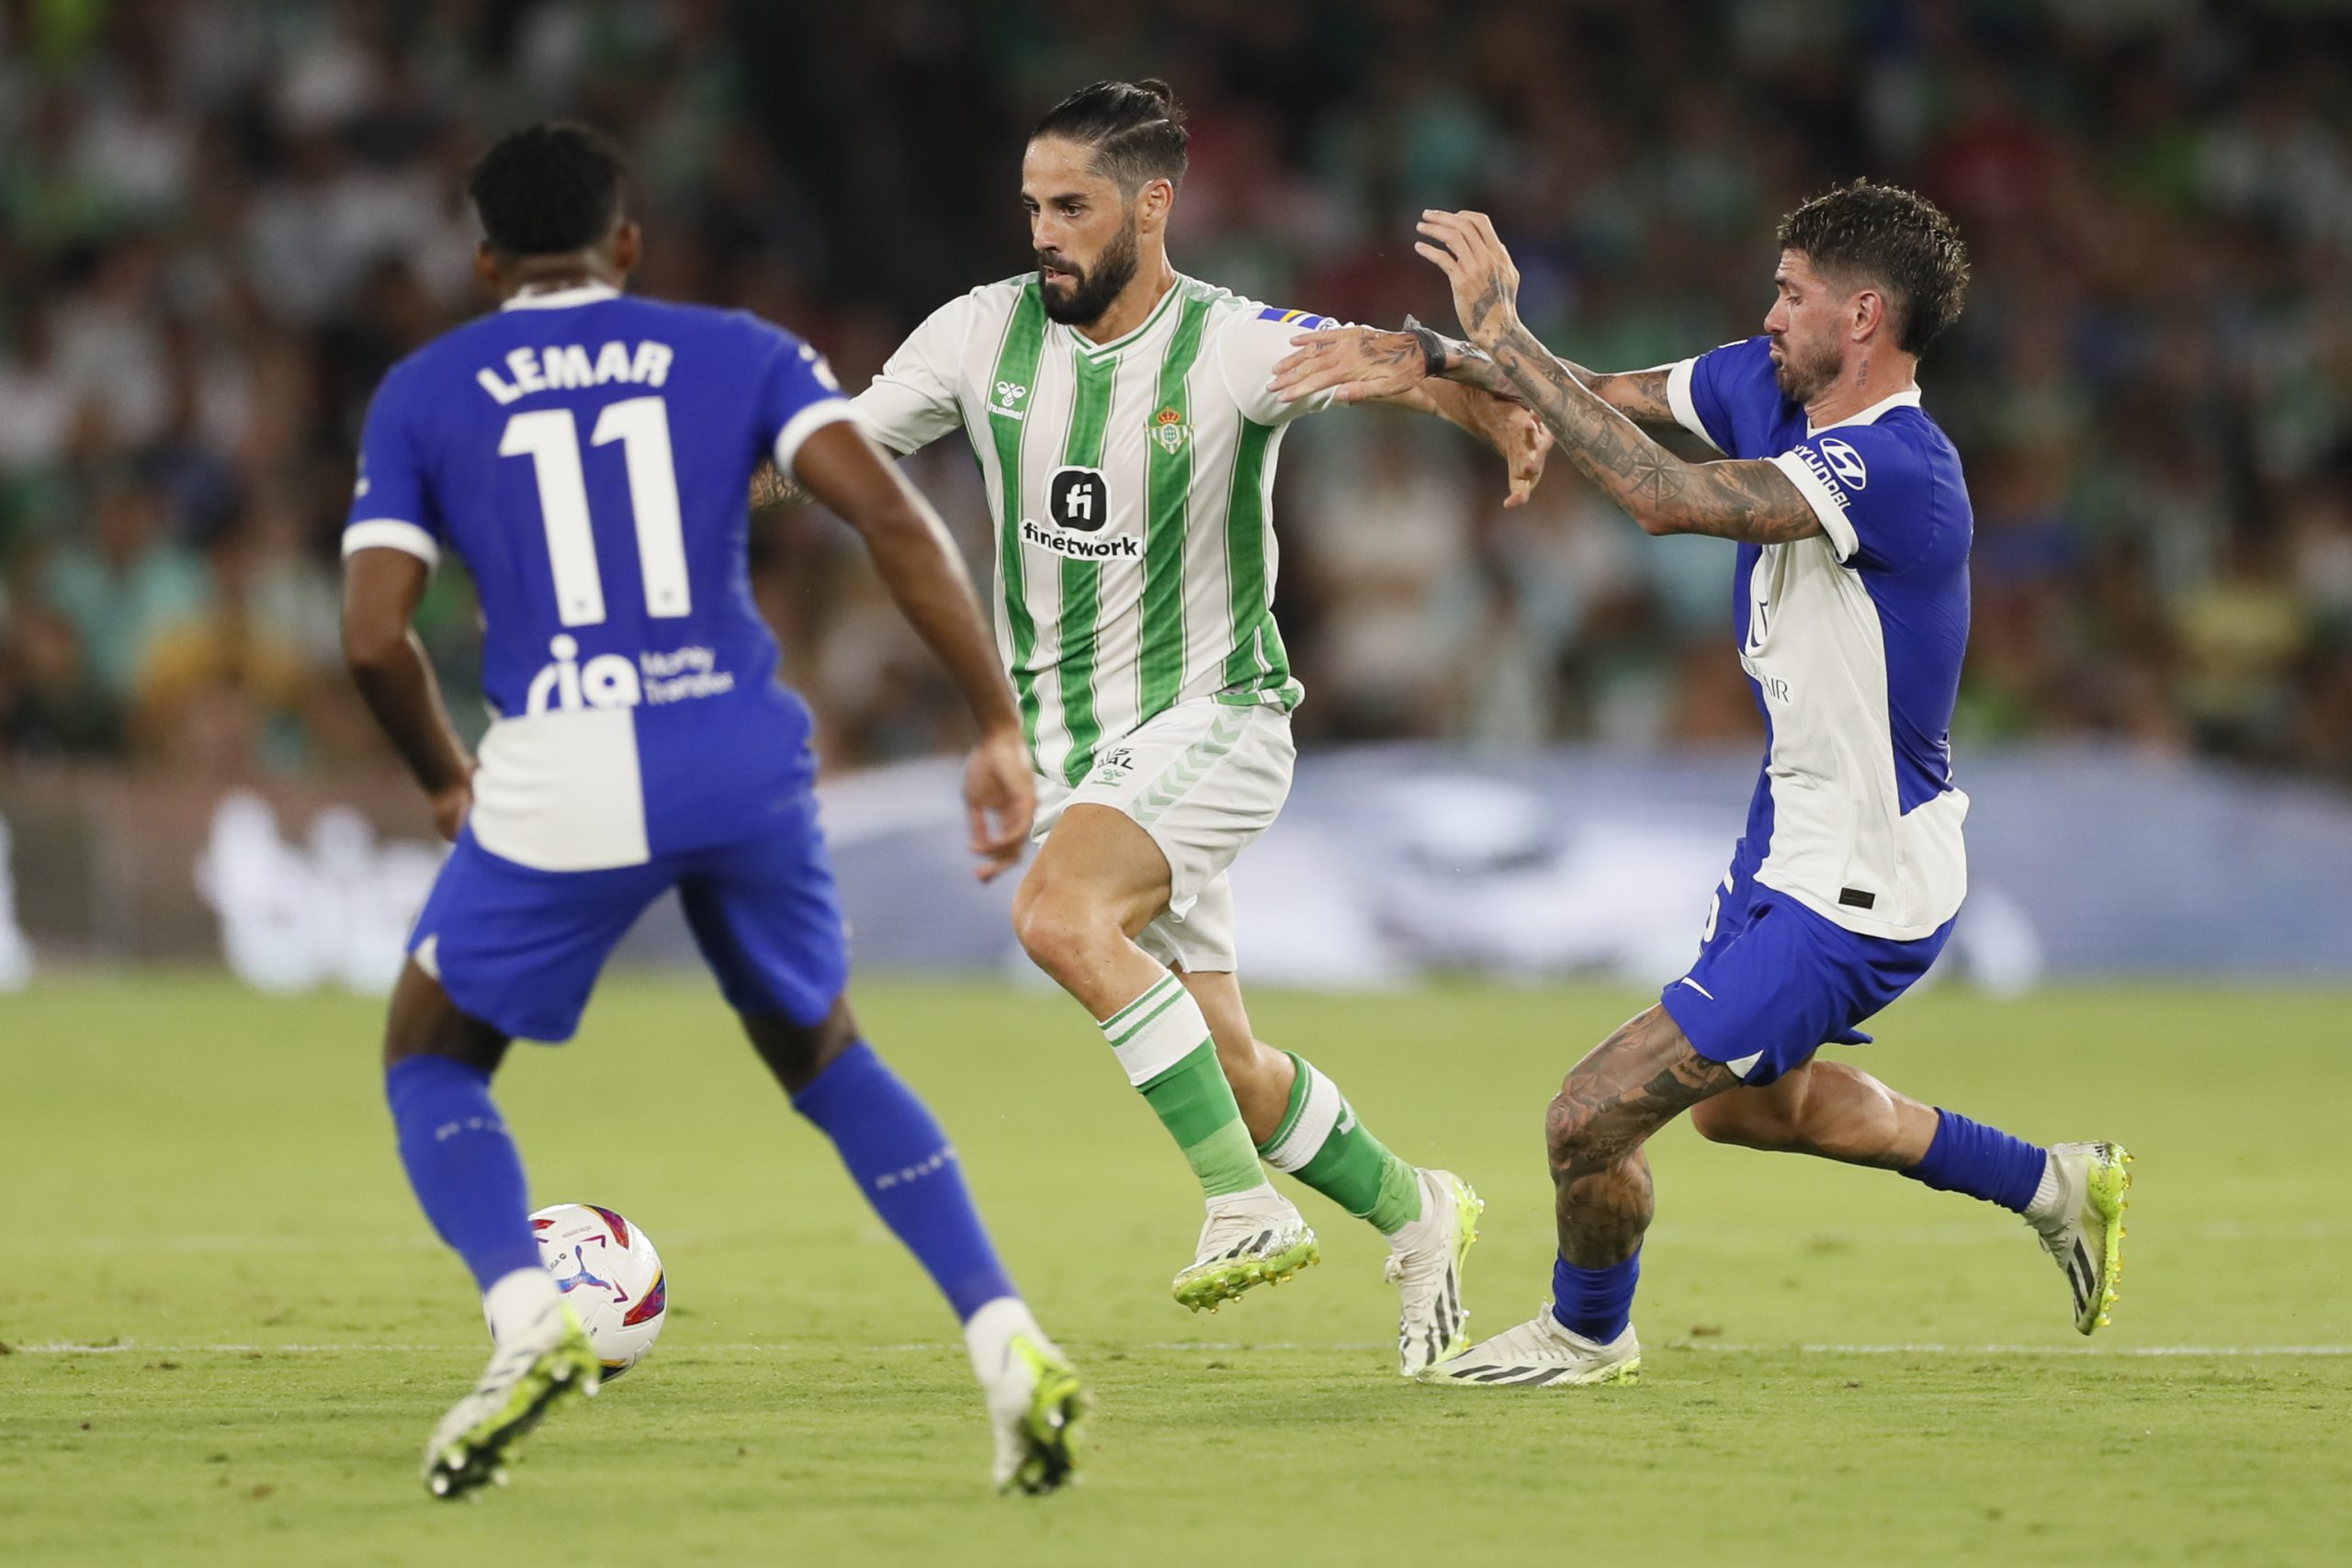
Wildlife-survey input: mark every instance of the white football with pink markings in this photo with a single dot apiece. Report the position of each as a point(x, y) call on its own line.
point(610, 1275)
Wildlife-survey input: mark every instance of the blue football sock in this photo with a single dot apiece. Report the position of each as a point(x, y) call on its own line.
point(1983, 1162)
point(1594, 1302)
point(463, 1164)
point(905, 1166)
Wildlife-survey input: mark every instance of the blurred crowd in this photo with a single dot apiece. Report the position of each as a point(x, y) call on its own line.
point(220, 222)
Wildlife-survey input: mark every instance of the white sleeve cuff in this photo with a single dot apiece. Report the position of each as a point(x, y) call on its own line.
point(807, 423)
point(1826, 504)
point(1678, 397)
point(390, 534)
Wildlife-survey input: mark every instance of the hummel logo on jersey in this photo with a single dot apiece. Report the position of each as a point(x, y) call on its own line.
point(1008, 395)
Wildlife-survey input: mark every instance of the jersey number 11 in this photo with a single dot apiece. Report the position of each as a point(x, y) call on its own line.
point(551, 438)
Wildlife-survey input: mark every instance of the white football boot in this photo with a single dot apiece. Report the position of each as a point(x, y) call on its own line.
point(1541, 1353)
point(2079, 1217)
point(1037, 1408)
point(1425, 1265)
point(1250, 1239)
point(543, 1358)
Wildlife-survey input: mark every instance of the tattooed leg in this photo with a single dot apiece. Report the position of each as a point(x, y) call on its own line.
point(1633, 1083)
point(1827, 1109)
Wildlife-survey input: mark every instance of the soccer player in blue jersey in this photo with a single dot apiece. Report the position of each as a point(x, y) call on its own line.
point(1850, 607)
point(587, 455)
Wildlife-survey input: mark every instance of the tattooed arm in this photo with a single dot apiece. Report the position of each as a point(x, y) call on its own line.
point(1499, 419)
point(1753, 501)
point(1369, 366)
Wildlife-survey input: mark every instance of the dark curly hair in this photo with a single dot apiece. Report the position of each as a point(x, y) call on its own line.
point(1136, 129)
point(1899, 240)
point(547, 188)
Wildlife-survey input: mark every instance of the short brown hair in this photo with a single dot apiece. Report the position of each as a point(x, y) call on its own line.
point(1897, 239)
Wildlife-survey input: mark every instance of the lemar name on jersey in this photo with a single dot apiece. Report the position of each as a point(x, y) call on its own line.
point(565, 366)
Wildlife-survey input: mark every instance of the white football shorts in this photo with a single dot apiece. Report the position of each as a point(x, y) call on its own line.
point(1204, 779)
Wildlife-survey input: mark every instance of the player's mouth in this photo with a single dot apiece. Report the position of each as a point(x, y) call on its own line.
point(1048, 273)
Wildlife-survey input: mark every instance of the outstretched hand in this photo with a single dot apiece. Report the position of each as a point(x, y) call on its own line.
point(1355, 364)
point(1486, 283)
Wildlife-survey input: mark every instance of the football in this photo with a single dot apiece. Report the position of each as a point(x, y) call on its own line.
point(610, 1274)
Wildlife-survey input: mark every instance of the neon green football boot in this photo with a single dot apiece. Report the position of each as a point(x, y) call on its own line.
point(2086, 1234)
point(1425, 1265)
point(536, 1370)
point(1255, 1239)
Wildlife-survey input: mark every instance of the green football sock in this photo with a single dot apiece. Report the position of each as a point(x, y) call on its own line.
point(1321, 1143)
point(1162, 1041)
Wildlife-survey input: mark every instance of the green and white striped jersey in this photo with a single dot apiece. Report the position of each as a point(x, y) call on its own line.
point(1130, 483)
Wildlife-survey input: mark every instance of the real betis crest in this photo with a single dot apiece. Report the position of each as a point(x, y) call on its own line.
point(1168, 428)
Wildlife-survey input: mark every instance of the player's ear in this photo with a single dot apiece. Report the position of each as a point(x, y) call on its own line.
point(1869, 313)
point(486, 266)
point(1156, 197)
point(629, 243)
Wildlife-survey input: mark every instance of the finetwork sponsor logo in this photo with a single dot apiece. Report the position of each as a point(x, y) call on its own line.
point(613, 681)
point(1079, 547)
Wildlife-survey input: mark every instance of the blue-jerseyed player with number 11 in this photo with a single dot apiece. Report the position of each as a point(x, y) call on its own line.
point(587, 455)
point(1850, 606)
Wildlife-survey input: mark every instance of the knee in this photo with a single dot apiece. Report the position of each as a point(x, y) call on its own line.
point(1723, 1120)
point(1750, 1119)
point(1571, 1133)
point(1061, 932)
point(422, 1022)
point(798, 1053)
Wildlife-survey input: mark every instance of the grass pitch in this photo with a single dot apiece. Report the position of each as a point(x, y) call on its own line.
point(230, 1330)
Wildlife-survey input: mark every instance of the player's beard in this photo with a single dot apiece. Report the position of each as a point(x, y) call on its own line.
point(1093, 290)
point(1800, 375)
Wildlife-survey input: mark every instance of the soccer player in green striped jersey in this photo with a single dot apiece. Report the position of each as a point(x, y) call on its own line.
point(1122, 417)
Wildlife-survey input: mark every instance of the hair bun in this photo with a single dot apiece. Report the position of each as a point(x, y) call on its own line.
point(1161, 94)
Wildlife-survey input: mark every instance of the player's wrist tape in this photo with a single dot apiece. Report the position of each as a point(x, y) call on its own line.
point(1432, 347)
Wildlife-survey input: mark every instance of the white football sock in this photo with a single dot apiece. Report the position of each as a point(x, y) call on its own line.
point(516, 1301)
point(989, 1334)
point(2049, 1198)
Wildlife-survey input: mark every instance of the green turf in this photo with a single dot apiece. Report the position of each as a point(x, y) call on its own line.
point(191, 1170)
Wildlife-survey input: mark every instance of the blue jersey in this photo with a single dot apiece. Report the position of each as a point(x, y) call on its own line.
point(588, 455)
point(1853, 641)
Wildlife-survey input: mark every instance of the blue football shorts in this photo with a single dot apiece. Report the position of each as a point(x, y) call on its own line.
point(520, 949)
point(1775, 982)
